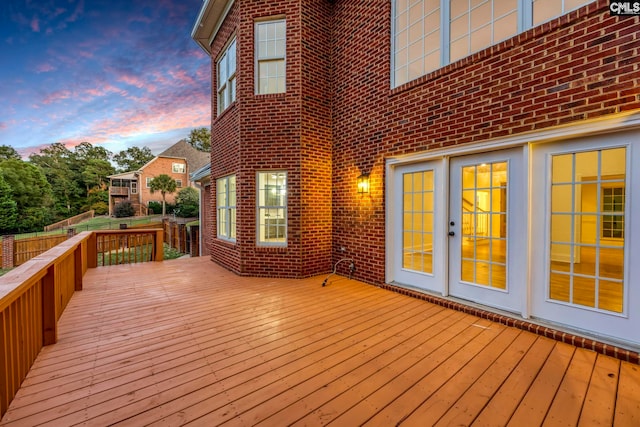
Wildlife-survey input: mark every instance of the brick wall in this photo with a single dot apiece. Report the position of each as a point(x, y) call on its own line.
point(340, 117)
point(580, 66)
point(271, 132)
point(206, 220)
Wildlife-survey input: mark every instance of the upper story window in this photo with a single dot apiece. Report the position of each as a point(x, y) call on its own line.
point(134, 187)
point(178, 167)
point(270, 56)
point(429, 34)
point(148, 181)
point(226, 68)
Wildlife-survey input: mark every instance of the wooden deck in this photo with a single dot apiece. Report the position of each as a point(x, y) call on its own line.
point(186, 341)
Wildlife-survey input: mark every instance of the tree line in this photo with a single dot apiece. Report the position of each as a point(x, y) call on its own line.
point(58, 183)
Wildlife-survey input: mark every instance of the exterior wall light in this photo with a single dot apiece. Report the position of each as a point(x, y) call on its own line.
point(363, 184)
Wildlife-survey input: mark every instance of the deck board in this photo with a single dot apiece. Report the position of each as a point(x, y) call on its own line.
point(187, 342)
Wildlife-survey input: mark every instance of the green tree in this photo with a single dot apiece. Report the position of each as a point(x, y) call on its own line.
point(187, 203)
point(63, 170)
point(164, 184)
point(8, 208)
point(98, 200)
point(133, 158)
point(85, 151)
point(95, 173)
point(200, 139)
point(31, 192)
point(7, 153)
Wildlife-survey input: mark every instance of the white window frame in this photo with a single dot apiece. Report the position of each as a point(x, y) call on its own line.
point(226, 83)
point(226, 208)
point(178, 167)
point(525, 21)
point(265, 209)
point(148, 181)
point(178, 183)
point(261, 58)
point(134, 187)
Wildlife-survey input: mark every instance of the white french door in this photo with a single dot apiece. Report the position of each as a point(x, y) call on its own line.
point(418, 230)
point(487, 229)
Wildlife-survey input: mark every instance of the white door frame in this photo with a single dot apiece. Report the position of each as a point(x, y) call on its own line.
point(611, 124)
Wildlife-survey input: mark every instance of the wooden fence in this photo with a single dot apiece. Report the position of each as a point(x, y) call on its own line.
point(25, 249)
point(34, 295)
point(70, 221)
point(177, 236)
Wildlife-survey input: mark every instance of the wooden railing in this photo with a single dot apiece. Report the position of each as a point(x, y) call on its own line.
point(119, 191)
point(34, 295)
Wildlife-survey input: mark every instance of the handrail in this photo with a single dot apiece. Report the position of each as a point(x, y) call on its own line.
point(34, 295)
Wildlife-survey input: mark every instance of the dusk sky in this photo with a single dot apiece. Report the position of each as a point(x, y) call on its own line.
point(115, 73)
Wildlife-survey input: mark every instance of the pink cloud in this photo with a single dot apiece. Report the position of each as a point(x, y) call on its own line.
point(35, 25)
point(45, 68)
point(57, 96)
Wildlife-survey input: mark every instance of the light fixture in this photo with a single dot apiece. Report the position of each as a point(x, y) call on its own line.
point(363, 184)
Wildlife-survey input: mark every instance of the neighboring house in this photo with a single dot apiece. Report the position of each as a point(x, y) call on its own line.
point(202, 180)
point(178, 161)
point(485, 151)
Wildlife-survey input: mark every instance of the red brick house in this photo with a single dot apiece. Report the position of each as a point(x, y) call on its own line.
point(177, 161)
point(487, 151)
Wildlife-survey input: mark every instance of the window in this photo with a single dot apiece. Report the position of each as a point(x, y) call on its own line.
point(134, 187)
point(226, 207)
point(417, 224)
point(270, 56)
point(613, 204)
point(428, 34)
point(272, 208)
point(226, 67)
point(586, 235)
point(178, 167)
point(149, 179)
point(178, 183)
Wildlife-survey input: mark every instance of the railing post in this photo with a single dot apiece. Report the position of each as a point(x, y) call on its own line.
point(49, 324)
point(92, 251)
point(77, 266)
point(158, 246)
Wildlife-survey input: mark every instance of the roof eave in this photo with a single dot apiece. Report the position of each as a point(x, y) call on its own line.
point(211, 15)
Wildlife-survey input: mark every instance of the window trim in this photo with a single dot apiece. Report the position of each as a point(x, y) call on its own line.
point(178, 183)
point(148, 181)
point(230, 209)
point(134, 187)
point(258, 60)
point(284, 207)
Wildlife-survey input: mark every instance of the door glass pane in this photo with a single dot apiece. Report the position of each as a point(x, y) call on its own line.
point(587, 229)
point(484, 224)
point(417, 226)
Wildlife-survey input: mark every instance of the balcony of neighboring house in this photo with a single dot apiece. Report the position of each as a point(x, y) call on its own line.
point(129, 338)
point(119, 191)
